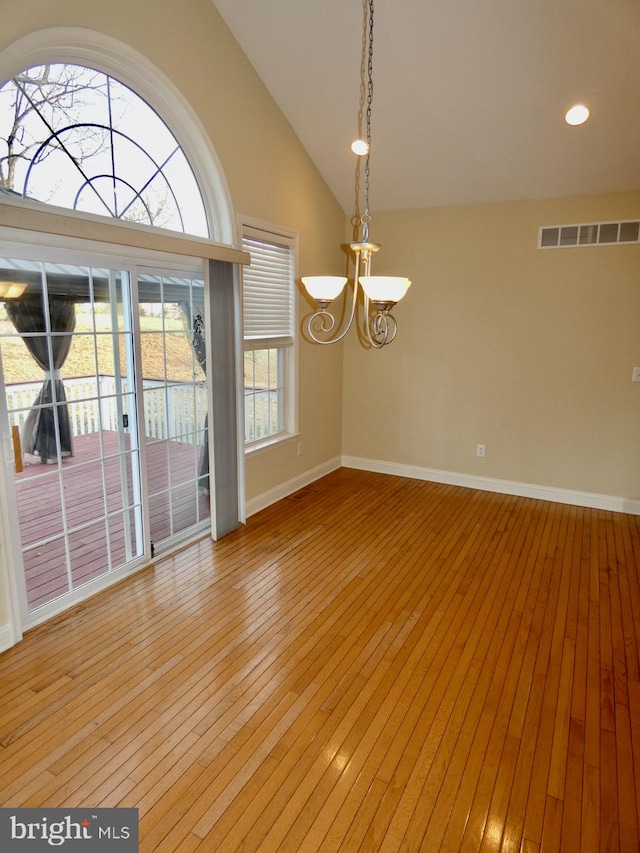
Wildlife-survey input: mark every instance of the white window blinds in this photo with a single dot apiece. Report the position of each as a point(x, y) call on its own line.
point(268, 289)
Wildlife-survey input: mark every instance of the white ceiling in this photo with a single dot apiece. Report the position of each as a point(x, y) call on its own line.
point(469, 95)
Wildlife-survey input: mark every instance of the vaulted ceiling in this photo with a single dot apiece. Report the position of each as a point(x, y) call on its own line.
point(469, 95)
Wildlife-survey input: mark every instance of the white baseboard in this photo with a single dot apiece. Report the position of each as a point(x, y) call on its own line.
point(505, 487)
point(6, 637)
point(285, 489)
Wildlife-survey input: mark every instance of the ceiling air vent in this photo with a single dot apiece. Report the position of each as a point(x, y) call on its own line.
point(594, 234)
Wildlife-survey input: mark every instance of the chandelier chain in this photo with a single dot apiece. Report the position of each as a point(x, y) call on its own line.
point(368, 114)
point(363, 73)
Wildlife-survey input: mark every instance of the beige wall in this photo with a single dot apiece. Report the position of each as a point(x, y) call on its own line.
point(268, 173)
point(529, 352)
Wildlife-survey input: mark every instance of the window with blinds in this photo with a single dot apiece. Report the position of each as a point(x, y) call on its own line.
point(269, 296)
point(268, 289)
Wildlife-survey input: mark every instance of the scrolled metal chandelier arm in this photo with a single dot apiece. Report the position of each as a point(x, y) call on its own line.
point(382, 329)
point(328, 326)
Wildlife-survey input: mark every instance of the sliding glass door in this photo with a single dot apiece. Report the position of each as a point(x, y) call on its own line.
point(104, 390)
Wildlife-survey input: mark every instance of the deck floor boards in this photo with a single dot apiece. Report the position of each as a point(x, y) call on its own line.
point(99, 547)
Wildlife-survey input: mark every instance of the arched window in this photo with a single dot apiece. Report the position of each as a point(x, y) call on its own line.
point(78, 138)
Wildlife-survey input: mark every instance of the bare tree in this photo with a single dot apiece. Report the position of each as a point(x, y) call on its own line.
point(55, 95)
point(83, 114)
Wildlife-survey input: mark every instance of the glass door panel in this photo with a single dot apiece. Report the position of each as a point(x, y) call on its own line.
point(171, 311)
point(67, 352)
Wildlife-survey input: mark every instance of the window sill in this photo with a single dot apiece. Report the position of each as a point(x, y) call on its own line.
point(271, 442)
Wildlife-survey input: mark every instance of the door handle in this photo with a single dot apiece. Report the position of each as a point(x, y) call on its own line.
point(17, 449)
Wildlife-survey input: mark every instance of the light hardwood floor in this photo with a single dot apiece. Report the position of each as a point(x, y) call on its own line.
point(375, 663)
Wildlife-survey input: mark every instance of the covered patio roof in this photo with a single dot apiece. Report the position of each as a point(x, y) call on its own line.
point(74, 282)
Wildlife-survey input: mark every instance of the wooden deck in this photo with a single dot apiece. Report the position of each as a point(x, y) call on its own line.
point(374, 664)
point(100, 547)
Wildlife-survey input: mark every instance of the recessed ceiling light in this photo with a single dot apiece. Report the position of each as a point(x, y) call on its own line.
point(577, 115)
point(360, 147)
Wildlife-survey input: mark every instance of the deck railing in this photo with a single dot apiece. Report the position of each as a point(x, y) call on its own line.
point(179, 414)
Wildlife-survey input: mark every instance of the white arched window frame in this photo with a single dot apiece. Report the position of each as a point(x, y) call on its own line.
point(95, 50)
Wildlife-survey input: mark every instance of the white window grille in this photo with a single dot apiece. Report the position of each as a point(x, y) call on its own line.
point(78, 138)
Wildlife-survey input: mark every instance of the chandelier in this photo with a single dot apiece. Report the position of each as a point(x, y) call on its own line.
point(380, 292)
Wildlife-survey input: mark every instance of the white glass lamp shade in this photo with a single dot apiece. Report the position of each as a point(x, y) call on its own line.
point(384, 288)
point(324, 288)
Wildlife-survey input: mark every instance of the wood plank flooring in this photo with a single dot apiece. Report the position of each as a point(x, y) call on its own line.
point(374, 664)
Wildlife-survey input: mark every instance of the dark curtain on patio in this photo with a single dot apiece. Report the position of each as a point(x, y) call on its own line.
point(27, 315)
point(194, 317)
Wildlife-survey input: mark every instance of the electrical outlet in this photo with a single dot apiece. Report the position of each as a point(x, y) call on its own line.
point(300, 449)
point(636, 374)
point(480, 450)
